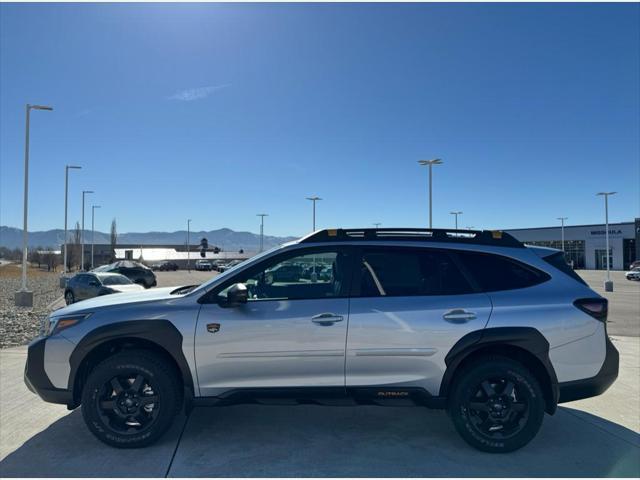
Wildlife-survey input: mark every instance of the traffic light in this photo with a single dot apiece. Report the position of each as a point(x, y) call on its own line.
point(204, 246)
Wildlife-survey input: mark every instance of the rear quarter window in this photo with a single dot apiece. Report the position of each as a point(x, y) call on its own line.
point(558, 261)
point(494, 273)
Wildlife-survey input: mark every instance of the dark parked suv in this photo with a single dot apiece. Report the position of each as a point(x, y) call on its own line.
point(165, 266)
point(134, 271)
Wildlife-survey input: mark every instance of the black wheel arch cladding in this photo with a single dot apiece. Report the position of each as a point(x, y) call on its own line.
point(526, 339)
point(161, 333)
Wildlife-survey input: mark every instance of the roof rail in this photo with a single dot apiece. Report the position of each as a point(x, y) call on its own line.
point(475, 237)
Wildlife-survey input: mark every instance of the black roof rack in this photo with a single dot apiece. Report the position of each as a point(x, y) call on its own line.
point(475, 237)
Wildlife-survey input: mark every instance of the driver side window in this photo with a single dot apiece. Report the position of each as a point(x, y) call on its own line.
point(309, 276)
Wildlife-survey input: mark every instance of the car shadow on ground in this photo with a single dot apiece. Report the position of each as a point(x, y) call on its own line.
point(307, 440)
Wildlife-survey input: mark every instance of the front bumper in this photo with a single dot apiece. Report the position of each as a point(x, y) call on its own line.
point(591, 387)
point(36, 378)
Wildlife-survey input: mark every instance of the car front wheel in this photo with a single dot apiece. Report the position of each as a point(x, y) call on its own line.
point(130, 399)
point(68, 297)
point(497, 405)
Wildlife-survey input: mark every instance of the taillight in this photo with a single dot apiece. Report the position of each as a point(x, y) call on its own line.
point(596, 307)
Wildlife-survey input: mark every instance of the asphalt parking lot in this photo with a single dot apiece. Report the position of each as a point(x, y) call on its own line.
point(591, 438)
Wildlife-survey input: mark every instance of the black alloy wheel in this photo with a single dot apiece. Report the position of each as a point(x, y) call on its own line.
point(496, 404)
point(128, 404)
point(498, 408)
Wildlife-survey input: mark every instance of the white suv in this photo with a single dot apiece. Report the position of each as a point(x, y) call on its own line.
point(473, 322)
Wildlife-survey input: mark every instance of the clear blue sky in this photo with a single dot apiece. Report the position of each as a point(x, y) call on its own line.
point(219, 112)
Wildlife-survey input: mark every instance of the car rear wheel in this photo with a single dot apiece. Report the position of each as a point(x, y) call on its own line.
point(497, 405)
point(130, 399)
point(68, 297)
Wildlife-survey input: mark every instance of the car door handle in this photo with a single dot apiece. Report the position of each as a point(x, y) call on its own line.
point(326, 319)
point(459, 315)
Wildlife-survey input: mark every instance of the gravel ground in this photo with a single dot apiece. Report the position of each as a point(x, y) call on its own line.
point(18, 325)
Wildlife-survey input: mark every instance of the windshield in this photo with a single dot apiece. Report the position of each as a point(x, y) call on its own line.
point(205, 286)
point(114, 280)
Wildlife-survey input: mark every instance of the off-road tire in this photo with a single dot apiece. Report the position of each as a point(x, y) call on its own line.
point(69, 298)
point(162, 380)
point(467, 421)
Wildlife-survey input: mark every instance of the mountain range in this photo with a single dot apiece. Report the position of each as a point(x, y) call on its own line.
point(224, 238)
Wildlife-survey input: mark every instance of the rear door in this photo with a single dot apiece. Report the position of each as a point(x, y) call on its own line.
point(82, 288)
point(409, 306)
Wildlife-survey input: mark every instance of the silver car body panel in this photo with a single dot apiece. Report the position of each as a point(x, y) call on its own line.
point(403, 340)
point(271, 344)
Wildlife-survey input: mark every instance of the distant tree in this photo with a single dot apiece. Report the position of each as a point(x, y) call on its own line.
point(51, 260)
point(34, 256)
point(114, 239)
point(9, 254)
point(74, 254)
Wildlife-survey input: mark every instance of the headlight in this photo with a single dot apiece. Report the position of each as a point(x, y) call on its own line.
point(54, 324)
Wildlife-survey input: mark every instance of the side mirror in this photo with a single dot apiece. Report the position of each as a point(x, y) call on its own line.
point(237, 295)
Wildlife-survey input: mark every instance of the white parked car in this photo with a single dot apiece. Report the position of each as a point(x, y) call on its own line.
point(633, 274)
point(94, 284)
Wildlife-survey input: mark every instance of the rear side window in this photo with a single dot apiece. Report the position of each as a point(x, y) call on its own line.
point(495, 272)
point(410, 272)
point(558, 261)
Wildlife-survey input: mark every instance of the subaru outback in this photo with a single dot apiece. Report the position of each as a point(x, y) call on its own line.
point(474, 322)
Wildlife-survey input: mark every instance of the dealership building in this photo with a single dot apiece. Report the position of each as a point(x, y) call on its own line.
point(585, 245)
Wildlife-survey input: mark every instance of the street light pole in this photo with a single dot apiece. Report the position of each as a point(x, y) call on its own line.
point(93, 232)
point(24, 298)
point(456, 214)
point(84, 192)
point(377, 224)
point(314, 199)
point(262, 215)
point(608, 284)
point(562, 219)
point(430, 163)
point(188, 245)
point(66, 195)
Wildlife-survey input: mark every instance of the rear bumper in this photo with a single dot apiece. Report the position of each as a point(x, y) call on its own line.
point(591, 387)
point(36, 378)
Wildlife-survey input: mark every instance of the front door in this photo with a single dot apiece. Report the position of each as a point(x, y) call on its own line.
point(290, 333)
point(409, 307)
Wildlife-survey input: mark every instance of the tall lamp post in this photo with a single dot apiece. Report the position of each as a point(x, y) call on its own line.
point(562, 219)
point(314, 199)
point(24, 297)
point(262, 215)
point(188, 245)
point(84, 192)
point(608, 284)
point(456, 214)
point(93, 231)
point(377, 224)
point(66, 202)
point(430, 164)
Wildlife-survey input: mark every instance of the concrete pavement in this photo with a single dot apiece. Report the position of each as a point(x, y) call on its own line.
point(593, 437)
